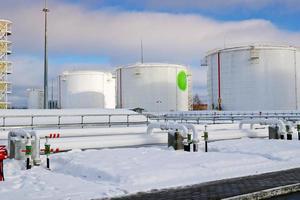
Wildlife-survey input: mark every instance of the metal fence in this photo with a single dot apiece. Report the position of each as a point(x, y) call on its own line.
point(71, 120)
point(214, 117)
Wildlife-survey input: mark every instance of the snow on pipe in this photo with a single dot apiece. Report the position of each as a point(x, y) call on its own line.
point(195, 133)
point(167, 126)
point(28, 135)
point(87, 132)
point(65, 144)
point(277, 122)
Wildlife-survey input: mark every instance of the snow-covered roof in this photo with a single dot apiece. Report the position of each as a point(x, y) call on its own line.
point(77, 72)
point(5, 21)
point(253, 46)
point(146, 65)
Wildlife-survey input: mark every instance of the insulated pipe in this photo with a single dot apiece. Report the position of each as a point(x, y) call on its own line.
point(28, 135)
point(195, 133)
point(36, 150)
point(167, 126)
point(277, 122)
point(17, 133)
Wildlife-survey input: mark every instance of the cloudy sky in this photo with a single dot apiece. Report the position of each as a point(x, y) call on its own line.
point(103, 34)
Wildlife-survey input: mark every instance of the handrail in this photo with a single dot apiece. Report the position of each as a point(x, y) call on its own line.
point(79, 120)
point(222, 116)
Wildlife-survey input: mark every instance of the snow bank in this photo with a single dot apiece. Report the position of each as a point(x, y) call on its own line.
point(112, 172)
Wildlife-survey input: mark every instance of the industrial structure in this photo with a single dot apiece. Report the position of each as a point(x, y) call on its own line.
point(5, 65)
point(258, 77)
point(35, 98)
point(86, 89)
point(154, 87)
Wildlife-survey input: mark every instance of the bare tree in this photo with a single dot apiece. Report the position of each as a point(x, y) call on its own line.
point(196, 99)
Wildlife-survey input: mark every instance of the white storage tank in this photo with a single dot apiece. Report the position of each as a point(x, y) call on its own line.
point(35, 98)
point(155, 87)
point(258, 77)
point(86, 89)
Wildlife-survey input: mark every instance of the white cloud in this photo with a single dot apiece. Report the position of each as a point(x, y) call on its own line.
point(177, 38)
point(216, 6)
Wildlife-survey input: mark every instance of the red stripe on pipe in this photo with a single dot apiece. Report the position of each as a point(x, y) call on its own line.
point(58, 135)
point(50, 135)
point(219, 81)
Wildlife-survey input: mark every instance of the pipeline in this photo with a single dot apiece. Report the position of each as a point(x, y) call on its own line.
point(195, 133)
point(167, 126)
point(21, 133)
point(278, 122)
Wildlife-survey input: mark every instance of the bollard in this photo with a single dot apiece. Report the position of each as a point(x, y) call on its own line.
point(298, 130)
point(47, 152)
point(205, 136)
point(28, 152)
point(289, 136)
point(188, 145)
point(3, 156)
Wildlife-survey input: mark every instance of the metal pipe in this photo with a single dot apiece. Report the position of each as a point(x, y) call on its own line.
point(167, 126)
point(36, 150)
point(195, 133)
point(26, 134)
point(278, 122)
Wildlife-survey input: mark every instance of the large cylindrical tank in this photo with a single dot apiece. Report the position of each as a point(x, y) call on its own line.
point(154, 87)
point(258, 77)
point(86, 89)
point(35, 98)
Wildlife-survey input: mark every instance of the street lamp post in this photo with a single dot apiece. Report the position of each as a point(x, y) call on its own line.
point(46, 10)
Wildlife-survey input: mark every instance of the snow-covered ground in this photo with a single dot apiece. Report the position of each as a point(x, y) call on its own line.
point(111, 172)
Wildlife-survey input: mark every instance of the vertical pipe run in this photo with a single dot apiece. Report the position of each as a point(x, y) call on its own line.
point(296, 79)
point(1, 171)
point(121, 106)
point(219, 83)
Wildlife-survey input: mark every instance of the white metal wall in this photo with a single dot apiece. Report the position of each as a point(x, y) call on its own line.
point(87, 89)
point(152, 87)
point(259, 78)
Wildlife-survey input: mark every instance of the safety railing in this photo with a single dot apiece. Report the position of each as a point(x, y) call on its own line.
point(222, 117)
point(71, 120)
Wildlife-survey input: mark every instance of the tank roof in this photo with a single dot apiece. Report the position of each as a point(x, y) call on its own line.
point(7, 21)
point(151, 65)
point(71, 72)
point(253, 46)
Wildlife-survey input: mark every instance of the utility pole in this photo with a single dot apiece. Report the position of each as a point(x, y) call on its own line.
point(46, 10)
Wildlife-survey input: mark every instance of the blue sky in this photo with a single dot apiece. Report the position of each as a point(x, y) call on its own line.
point(103, 34)
point(283, 13)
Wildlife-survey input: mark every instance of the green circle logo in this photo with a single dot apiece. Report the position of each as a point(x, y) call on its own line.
point(182, 80)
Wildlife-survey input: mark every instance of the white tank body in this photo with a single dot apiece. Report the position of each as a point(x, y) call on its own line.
point(86, 89)
point(35, 98)
point(258, 77)
point(155, 87)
